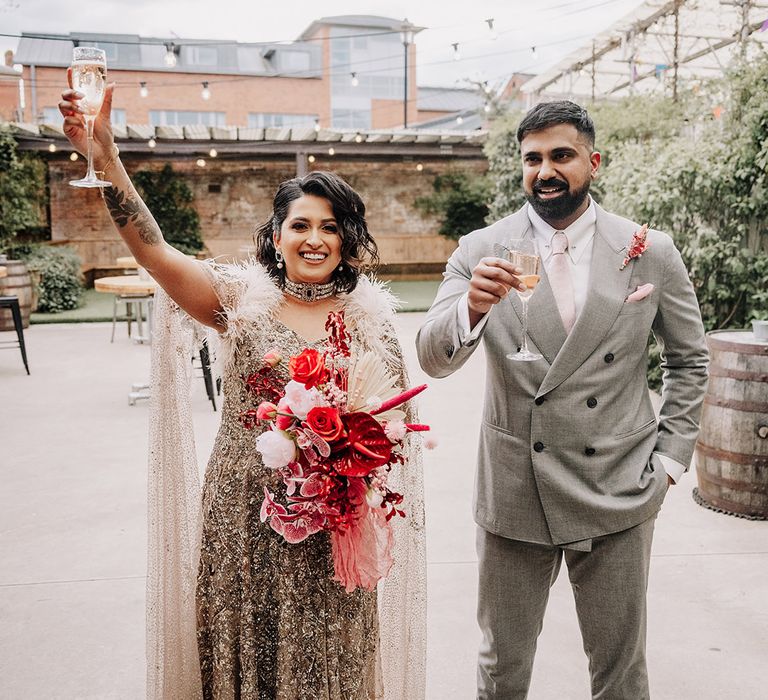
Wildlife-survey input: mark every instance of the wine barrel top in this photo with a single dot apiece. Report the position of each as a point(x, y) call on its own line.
point(128, 262)
point(125, 284)
point(737, 341)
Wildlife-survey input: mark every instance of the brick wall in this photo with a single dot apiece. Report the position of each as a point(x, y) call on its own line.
point(229, 217)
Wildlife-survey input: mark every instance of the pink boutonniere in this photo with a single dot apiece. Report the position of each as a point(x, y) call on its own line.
point(637, 247)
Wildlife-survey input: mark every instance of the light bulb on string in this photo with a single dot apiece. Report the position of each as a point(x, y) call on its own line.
point(73, 156)
point(358, 138)
point(419, 167)
point(331, 151)
point(52, 147)
point(200, 163)
point(355, 82)
point(459, 119)
point(152, 143)
point(143, 91)
point(205, 93)
point(456, 54)
point(170, 55)
point(492, 29)
point(487, 108)
point(317, 125)
point(533, 51)
point(213, 153)
point(311, 159)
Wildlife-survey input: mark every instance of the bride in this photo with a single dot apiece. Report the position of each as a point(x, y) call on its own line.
point(233, 610)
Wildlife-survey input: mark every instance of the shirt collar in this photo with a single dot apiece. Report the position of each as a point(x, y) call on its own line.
point(579, 233)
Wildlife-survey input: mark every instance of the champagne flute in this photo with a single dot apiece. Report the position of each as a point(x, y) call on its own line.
point(523, 254)
point(89, 76)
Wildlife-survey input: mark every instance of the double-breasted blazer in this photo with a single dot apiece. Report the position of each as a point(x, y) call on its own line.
point(567, 443)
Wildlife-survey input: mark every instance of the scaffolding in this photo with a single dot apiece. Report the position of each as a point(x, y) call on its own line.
point(660, 47)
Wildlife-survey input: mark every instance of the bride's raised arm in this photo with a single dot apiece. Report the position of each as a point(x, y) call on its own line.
point(183, 278)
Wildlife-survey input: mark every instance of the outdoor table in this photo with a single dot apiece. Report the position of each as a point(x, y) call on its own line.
point(127, 286)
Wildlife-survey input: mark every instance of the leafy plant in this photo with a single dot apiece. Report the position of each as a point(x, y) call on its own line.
point(61, 284)
point(168, 197)
point(460, 200)
point(22, 190)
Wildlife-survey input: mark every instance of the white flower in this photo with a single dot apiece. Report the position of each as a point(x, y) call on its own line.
point(302, 400)
point(395, 430)
point(276, 447)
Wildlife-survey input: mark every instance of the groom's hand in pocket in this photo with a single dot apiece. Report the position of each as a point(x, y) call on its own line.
point(492, 279)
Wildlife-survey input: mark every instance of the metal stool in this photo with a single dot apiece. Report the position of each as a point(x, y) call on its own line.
point(12, 303)
point(134, 311)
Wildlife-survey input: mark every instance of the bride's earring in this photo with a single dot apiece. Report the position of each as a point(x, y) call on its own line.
point(279, 258)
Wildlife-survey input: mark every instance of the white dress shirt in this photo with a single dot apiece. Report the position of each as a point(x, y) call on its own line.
point(581, 236)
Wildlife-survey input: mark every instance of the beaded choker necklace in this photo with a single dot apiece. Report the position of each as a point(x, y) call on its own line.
point(309, 291)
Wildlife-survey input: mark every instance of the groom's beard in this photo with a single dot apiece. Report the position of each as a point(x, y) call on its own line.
point(560, 207)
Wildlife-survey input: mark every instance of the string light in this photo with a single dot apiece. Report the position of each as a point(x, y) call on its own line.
point(143, 91)
point(200, 163)
point(170, 55)
point(331, 151)
point(311, 159)
point(456, 54)
point(73, 156)
point(492, 29)
point(355, 82)
point(419, 167)
point(52, 147)
point(533, 51)
point(459, 119)
point(213, 153)
point(152, 143)
point(358, 138)
point(205, 93)
point(487, 108)
point(317, 125)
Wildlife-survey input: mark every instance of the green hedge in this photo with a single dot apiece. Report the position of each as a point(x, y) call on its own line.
point(61, 282)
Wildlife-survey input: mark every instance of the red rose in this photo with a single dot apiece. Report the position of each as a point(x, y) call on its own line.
point(325, 422)
point(367, 446)
point(308, 368)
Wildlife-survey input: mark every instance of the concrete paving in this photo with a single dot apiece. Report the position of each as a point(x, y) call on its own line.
point(72, 542)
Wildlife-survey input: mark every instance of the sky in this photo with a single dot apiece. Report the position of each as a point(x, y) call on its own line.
point(553, 27)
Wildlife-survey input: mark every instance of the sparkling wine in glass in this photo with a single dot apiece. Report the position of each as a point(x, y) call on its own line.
point(523, 254)
point(89, 76)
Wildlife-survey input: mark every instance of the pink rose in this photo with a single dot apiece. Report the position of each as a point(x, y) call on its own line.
point(273, 358)
point(266, 411)
point(284, 418)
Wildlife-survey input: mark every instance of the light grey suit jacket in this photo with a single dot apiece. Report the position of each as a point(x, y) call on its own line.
point(566, 442)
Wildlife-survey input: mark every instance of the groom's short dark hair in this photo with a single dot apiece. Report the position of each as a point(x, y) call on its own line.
point(547, 114)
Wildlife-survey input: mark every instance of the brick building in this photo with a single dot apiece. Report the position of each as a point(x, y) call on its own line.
point(342, 72)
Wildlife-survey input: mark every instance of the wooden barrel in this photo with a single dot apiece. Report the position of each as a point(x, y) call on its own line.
point(17, 283)
point(732, 451)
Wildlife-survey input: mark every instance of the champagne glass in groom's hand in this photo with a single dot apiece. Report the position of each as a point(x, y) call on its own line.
point(523, 254)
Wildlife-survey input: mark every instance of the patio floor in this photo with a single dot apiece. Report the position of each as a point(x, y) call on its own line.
point(73, 538)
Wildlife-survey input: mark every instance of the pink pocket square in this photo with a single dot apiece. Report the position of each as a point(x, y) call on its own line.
point(640, 293)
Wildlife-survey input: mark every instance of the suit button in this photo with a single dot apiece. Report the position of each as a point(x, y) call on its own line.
point(539, 400)
point(609, 357)
point(589, 451)
point(591, 402)
point(538, 446)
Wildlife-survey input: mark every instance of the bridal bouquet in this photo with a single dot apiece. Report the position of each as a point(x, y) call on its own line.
point(334, 432)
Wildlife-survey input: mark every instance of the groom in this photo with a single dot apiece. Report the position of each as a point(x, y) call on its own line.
point(572, 463)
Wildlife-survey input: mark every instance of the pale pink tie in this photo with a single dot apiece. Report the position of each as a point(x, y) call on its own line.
point(559, 272)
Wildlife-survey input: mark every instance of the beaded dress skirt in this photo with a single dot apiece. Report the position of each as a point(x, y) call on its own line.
point(272, 622)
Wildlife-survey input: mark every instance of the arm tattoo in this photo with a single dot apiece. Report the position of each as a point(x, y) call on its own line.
point(124, 209)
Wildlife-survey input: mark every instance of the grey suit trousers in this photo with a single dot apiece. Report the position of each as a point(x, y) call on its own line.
point(609, 585)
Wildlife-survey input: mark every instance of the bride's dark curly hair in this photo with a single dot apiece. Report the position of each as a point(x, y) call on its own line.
point(358, 249)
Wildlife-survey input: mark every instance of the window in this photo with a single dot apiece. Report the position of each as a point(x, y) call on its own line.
point(118, 116)
point(294, 61)
point(201, 55)
point(109, 48)
point(351, 118)
point(265, 119)
point(165, 117)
